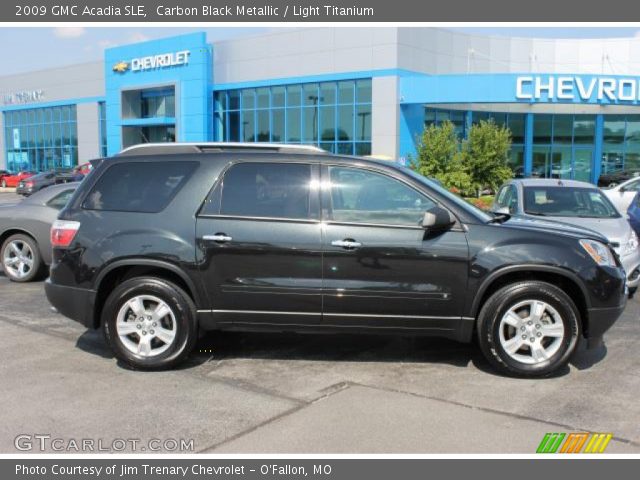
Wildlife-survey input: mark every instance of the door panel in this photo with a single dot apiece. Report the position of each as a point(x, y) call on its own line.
point(265, 267)
point(259, 244)
point(387, 275)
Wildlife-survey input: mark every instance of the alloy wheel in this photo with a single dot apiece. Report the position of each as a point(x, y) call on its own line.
point(18, 259)
point(531, 332)
point(146, 326)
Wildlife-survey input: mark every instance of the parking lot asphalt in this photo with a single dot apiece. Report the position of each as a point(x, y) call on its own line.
point(286, 393)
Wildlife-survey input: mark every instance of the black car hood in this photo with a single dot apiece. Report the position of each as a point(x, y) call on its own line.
point(547, 226)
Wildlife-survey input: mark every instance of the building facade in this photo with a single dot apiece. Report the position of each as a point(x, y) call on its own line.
point(573, 106)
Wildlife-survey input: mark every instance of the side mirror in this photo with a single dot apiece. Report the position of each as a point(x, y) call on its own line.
point(501, 211)
point(437, 218)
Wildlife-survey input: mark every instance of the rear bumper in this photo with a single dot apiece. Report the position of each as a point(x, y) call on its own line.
point(74, 303)
point(24, 191)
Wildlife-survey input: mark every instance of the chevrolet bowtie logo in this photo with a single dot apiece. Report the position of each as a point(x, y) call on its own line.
point(121, 67)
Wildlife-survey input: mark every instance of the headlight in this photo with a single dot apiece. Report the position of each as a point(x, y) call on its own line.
point(631, 246)
point(599, 252)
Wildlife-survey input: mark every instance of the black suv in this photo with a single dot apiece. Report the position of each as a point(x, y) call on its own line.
point(162, 241)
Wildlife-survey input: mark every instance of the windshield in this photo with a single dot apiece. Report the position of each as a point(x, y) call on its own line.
point(433, 184)
point(560, 201)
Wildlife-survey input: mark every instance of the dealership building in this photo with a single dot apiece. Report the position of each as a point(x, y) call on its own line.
point(572, 105)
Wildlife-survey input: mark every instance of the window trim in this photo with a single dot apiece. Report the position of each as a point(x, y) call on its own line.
point(327, 201)
point(314, 200)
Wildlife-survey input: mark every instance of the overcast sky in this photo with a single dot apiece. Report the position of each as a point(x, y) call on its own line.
point(32, 48)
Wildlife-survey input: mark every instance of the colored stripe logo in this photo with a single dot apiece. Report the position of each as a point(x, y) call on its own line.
point(574, 442)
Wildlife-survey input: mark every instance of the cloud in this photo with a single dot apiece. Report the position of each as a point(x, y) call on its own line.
point(138, 37)
point(106, 44)
point(69, 32)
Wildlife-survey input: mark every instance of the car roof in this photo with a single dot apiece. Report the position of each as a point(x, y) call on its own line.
point(551, 182)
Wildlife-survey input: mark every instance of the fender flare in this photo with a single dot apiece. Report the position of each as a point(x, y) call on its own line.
point(148, 262)
point(475, 306)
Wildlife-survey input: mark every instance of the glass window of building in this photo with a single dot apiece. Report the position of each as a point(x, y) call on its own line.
point(102, 127)
point(621, 143)
point(333, 115)
point(41, 139)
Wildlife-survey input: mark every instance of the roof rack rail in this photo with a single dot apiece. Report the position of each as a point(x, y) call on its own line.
point(203, 147)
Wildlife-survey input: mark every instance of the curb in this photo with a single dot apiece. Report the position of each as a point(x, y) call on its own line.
point(7, 190)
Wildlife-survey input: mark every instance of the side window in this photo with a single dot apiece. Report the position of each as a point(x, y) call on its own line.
point(508, 198)
point(267, 190)
point(633, 186)
point(501, 200)
point(145, 187)
point(362, 196)
point(60, 201)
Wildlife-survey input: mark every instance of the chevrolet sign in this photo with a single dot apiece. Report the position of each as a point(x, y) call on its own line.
point(163, 60)
point(577, 88)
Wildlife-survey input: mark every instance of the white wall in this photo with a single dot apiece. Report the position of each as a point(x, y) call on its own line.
point(88, 132)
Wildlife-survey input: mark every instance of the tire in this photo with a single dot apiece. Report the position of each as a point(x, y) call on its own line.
point(632, 292)
point(21, 259)
point(542, 344)
point(162, 339)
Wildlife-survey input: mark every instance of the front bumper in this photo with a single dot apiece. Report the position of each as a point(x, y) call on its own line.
point(602, 319)
point(631, 265)
point(74, 303)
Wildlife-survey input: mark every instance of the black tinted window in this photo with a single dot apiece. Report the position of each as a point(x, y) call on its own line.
point(278, 190)
point(59, 201)
point(145, 187)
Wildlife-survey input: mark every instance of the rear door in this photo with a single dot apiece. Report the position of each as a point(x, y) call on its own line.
point(259, 238)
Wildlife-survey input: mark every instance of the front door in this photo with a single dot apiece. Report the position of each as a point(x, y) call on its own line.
point(381, 268)
point(259, 244)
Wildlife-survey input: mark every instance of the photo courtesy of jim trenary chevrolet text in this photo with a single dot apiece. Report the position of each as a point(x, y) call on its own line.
point(263, 239)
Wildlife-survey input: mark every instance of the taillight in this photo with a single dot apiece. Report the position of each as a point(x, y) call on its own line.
point(63, 232)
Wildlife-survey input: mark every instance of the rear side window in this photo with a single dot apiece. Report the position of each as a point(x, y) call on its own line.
point(60, 201)
point(268, 190)
point(145, 187)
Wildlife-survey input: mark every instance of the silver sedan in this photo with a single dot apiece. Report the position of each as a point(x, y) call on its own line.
point(25, 232)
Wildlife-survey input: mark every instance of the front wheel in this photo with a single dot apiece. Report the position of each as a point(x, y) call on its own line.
point(150, 323)
point(528, 329)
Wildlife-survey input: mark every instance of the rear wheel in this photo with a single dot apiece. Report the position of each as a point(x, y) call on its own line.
point(150, 323)
point(21, 258)
point(528, 329)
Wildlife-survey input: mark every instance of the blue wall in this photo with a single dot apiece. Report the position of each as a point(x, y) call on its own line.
point(193, 82)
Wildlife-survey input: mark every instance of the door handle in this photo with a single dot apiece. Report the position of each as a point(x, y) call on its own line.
point(218, 238)
point(347, 244)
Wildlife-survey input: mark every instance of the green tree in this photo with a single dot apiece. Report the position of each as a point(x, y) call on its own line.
point(485, 154)
point(438, 156)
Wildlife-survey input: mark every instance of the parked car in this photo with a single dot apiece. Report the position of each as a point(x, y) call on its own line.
point(576, 203)
point(164, 240)
point(634, 213)
point(609, 180)
point(36, 183)
point(621, 195)
point(13, 180)
point(25, 232)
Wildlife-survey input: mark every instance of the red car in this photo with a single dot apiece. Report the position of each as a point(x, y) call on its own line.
point(12, 180)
